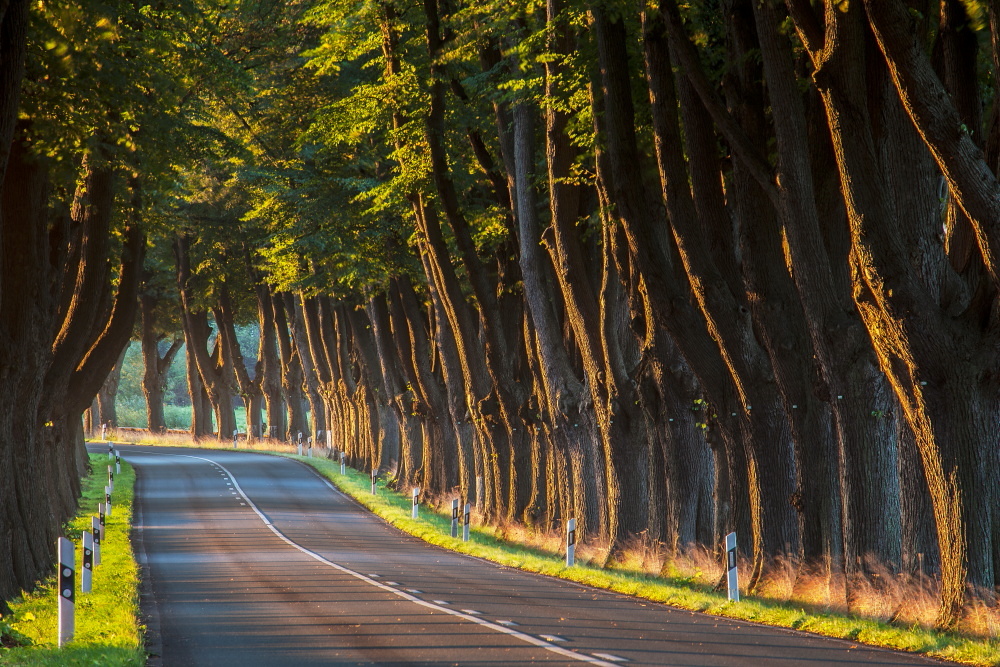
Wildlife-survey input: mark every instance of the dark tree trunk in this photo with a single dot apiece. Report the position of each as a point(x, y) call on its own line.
point(291, 372)
point(232, 356)
point(214, 368)
point(270, 366)
point(315, 370)
point(154, 378)
point(108, 394)
point(201, 405)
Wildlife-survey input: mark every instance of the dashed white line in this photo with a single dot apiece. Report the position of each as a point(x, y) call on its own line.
point(608, 656)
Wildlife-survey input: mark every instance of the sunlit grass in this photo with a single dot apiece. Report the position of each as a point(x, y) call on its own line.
point(107, 619)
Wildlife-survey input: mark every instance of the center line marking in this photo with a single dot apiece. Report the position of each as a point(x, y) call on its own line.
point(465, 614)
point(608, 656)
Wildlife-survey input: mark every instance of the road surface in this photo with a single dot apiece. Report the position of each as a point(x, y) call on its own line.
point(251, 559)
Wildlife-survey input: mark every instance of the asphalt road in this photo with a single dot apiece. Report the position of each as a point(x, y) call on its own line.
point(251, 559)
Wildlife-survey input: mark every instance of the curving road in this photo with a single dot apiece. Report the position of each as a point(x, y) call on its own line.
point(251, 559)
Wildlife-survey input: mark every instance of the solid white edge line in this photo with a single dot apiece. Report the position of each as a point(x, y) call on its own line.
point(529, 639)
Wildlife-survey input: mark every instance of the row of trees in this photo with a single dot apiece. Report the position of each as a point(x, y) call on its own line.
point(670, 270)
point(95, 104)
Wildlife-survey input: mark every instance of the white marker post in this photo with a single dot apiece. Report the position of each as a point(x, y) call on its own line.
point(731, 575)
point(454, 517)
point(118, 463)
point(97, 529)
point(67, 591)
point(299, 442)
point(343, 466)
point(465, 524)
point(310, 446)
point(107, 500)
point(111, 478)
point(104, 433)
point(235, 434)
point(111, 448)
point(374, 476)
point(570, 542)
point(87, 575)
point(416, 503)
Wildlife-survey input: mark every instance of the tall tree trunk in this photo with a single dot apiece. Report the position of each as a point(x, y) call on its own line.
point(214, 368)
point(270, 365)
point(201, 405)
point(154, 378)
point(315, 369)
point(232, 356)
point(108, 394)
point(291, 373)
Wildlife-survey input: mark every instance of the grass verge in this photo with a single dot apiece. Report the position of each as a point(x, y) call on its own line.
point(108, 632)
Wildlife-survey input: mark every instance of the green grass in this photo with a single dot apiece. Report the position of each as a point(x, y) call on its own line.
point(108, 632)
point(435, 528)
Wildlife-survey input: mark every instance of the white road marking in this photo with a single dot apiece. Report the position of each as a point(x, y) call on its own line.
point(608, 656)
point(553, 638)
point(465, 614)
point(440, 602)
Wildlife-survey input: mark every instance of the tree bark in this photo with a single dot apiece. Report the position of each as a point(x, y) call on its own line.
point(154, 378)
point(214, 368)
point(108, 393)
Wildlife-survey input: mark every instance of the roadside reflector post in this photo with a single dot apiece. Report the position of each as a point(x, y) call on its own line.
point(416, 503)
point(87, 574)
point(235, 435)
point(374, 477)
point(67, 591)
point(732, 577)
point(97, 529)
point(104, 433)
point(343, 466)
point(107, 500)
point(111, 478)
point(570, 542)
point(310, 446)
point(465, 523)
point(118, 463)
point(111, 448)
point(299, 443)
point(454, 517)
